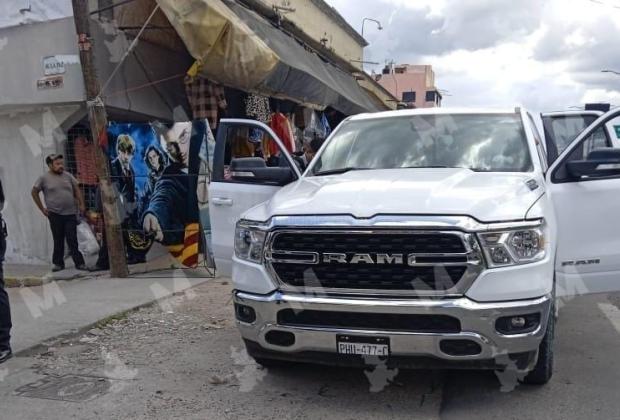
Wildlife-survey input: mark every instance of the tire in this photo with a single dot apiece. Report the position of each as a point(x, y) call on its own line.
point(542, 372)
point(271, 363)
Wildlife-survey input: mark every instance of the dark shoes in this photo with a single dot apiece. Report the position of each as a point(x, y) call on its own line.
point(57, 268)
point(5, 355)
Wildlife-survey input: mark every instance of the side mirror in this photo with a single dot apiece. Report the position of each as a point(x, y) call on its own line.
point(600, 163)
point(255, 171)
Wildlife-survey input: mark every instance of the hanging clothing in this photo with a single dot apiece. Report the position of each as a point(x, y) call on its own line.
point(300, 120)
point(282, 127)
point(257, 107)
point(325, 124)
point(297, 135)
point(256, 135)
point(206, 98)
point(235, 101)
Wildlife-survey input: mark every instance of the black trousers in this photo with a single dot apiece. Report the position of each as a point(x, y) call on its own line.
point(5, 310)
point(103, 260)
point(65, 227)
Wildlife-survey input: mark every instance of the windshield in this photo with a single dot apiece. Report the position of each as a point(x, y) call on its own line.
point(481, 142)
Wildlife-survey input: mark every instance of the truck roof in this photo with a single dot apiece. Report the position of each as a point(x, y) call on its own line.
point(433, 111)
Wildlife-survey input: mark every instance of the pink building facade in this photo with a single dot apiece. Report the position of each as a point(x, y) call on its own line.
point(413, 85)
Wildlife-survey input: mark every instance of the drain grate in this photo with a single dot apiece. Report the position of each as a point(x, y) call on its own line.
point(72, 388)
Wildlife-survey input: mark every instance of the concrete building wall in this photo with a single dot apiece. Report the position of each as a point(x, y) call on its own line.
point(21, 63)
point(318, 22)
point(27, 136)
point(411, 78)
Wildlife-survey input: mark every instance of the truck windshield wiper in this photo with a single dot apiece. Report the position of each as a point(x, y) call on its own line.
point(340, 171)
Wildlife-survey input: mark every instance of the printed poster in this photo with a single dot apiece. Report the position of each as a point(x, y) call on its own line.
point(161, 174)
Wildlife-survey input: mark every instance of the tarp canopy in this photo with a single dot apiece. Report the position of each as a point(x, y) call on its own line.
point(238, 48)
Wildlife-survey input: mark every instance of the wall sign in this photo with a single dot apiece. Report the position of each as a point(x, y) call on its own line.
point(50, 82)
point(57, 64)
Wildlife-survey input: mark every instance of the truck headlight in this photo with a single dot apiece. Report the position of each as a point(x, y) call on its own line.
point(249, 241)
point(512, 247)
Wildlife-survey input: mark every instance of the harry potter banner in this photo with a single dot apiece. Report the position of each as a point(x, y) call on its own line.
point(161, 172)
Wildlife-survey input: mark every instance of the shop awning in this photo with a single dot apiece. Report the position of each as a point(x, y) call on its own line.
point(238, 48)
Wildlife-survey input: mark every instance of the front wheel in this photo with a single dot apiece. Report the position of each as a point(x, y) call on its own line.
point(542, 372)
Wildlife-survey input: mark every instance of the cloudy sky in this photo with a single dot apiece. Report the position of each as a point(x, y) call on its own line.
point(544, 54)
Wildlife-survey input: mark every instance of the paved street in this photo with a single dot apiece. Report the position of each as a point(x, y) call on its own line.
point(182, 358)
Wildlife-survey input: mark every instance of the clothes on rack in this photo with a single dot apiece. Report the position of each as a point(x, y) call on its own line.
point(282, 128)
point(206, 99)
point(257, 107)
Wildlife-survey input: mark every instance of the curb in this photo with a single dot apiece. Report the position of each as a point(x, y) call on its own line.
point(24, 282)
point(34, 281)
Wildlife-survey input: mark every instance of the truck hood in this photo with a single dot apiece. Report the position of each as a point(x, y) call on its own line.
point(486, 196)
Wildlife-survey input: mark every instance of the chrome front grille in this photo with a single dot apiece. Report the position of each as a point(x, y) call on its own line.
point(388, 261)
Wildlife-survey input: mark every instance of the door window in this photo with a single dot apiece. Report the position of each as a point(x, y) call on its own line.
point(249, 152)
point(562, 130)
point(598, 140)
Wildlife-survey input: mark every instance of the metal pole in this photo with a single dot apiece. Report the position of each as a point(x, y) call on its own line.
point(98, 124)
point(373, 20)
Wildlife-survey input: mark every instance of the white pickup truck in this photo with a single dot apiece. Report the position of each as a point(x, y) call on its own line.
point(416, 238)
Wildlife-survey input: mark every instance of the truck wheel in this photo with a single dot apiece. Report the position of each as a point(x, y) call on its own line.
point(542, 372)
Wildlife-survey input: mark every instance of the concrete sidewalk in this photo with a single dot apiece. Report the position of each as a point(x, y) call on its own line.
point(67, 307)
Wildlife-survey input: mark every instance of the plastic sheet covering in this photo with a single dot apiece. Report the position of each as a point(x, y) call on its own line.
point(229, 51)
point(239, 48)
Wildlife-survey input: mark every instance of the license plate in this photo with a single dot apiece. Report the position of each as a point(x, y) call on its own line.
point(365, 346)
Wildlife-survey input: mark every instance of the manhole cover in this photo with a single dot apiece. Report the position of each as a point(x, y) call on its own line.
point(72, 388)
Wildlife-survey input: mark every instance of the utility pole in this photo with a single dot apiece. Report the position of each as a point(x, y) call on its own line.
point(98, 126)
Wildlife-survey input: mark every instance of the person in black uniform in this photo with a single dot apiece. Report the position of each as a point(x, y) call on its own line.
point(5, 310)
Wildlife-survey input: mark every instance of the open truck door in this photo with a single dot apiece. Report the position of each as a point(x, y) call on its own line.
point(584, 185)
point(250, 164)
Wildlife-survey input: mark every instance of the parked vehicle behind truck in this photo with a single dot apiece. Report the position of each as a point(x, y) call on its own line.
point(424, 238)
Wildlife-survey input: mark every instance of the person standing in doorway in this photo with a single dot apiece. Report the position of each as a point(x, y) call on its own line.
point(62, 200)
point(5, 310)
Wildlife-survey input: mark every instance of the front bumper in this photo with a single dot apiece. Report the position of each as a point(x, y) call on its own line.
point(318, 343)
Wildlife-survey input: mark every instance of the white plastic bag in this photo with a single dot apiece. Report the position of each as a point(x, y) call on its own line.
point(87, 243)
